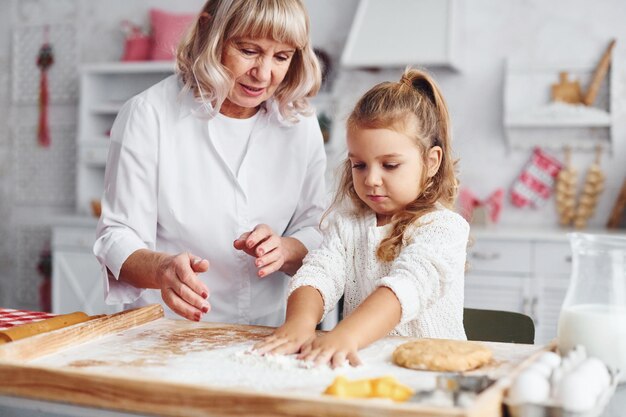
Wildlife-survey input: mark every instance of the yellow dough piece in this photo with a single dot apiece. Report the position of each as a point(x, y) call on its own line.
point(385, 387)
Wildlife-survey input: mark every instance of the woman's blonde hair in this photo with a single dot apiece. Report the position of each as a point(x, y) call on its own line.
point(198, 59)
point(413, 106)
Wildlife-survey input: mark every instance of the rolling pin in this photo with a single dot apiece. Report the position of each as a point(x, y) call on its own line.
point(31, 329)
point(598, 76)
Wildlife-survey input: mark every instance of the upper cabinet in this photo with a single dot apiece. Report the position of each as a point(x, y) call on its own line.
point(396, 33)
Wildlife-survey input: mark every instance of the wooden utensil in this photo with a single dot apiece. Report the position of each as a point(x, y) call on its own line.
point(31, 329)
point(618, 209)
point(565, 90)
point(50, 342)
point(598, 75)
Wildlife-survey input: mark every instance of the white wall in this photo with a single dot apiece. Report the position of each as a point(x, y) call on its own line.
point(6, 264)
point(560, 32)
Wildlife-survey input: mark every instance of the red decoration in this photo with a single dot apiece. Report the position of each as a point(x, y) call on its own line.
point(138, 45)
point(45, 59)
point(492, 204)
point(536, 181)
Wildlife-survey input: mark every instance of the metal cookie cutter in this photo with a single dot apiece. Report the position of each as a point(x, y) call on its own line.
point(453, 389)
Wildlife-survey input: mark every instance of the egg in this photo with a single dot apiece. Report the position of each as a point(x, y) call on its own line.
point(549, 358)
point(577, 355)
point(581, 350)
point(596, 373)
point(573, 393)
point(542, 368)
point(530, 386)
point(567, 364)
point(555, 379)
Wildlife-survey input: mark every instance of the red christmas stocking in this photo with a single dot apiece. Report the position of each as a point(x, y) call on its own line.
point(536, 181)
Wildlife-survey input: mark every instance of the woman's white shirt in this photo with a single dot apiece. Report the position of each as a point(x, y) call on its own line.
point(170, 188)
point(232, 137)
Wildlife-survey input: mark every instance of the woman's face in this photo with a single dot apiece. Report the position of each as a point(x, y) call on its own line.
point(258, 67)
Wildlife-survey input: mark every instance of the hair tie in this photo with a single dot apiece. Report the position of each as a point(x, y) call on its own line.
point(420, 85)
point(406, 81)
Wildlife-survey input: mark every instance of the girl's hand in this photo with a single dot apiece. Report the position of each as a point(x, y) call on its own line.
point(263, 244)
point(287, 339)
point(180, 287)
point(334, 348)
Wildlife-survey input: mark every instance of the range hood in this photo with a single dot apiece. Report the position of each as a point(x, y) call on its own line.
point(396, 33)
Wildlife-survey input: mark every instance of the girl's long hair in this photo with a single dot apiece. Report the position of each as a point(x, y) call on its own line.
point(198, 58)
point(413, 106)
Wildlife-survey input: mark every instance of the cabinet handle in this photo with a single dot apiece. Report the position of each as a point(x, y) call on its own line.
point(485, 256)
point(568, 259)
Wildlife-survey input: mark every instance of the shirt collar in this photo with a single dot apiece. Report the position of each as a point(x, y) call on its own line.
point(189, 105)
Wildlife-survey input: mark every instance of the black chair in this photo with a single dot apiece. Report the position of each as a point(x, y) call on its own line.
point(498, 326)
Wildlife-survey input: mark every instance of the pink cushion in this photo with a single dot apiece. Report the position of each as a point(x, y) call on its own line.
point(167, 30)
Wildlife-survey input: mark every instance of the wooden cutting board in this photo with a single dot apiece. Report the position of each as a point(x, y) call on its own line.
point(141, 362)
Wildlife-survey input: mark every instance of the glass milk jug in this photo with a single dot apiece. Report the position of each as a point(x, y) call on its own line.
point(594, 309)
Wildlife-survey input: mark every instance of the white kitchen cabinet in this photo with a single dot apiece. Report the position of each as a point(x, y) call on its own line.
point(104, 88)
point(552, 265)
point(496, 291)
point(498, 276)
point(524, 271)
point(77, 284)
point(76, 281)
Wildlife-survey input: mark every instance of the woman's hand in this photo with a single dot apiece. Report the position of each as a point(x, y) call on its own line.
point(181, 290)
point(335, 348)
point(287, 339)
point(272, 252)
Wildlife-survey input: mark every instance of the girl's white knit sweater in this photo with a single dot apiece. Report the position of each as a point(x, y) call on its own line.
point(426, 277)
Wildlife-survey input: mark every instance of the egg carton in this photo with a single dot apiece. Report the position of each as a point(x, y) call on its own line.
point(550, 409)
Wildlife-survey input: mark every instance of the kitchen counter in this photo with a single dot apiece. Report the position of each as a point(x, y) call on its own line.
point(539, 234)
point(24, 407)
point(139, 362)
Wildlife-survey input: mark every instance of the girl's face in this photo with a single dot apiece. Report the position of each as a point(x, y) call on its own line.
point(258, 66)
point(387, 169)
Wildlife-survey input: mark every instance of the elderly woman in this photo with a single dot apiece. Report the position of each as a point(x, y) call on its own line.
point(214, 184)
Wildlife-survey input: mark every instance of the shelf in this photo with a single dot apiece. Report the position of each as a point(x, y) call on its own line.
point(532, 119)
point(560, 115)
point(94, 153)
point(104, 88)
point(108, 68)
point(106, 108)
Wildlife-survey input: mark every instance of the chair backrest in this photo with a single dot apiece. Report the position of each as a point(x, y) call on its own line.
point(498, 326)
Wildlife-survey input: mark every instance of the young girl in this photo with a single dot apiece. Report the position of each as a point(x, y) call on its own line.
point(397, 254)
